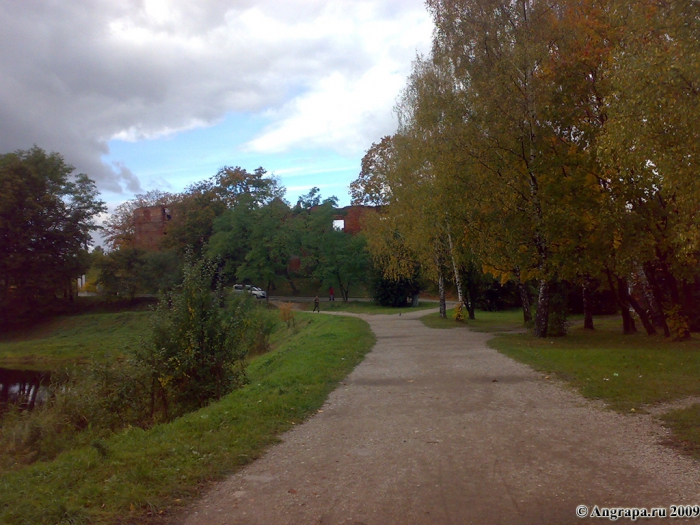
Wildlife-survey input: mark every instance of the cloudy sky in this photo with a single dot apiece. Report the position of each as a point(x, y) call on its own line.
point(145, 94)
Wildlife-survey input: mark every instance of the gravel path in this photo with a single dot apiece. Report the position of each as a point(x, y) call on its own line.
point(434, 427)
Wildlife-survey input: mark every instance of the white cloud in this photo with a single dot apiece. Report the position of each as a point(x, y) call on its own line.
point(74, 75)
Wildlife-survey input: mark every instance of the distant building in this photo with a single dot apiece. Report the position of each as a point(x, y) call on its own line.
point(349, 219)
point(150, 226)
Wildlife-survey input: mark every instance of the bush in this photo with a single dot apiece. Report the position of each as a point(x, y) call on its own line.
point(199, 343)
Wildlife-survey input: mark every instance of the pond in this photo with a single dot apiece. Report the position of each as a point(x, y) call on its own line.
point(23, 388)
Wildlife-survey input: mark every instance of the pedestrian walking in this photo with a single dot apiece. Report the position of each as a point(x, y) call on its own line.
point(331, 293)
point(317, 305)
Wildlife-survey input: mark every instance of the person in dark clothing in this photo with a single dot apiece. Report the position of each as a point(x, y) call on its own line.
point(317, 305)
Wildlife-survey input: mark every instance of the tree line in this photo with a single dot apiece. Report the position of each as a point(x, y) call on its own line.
point(549, 142)
point(242, 221)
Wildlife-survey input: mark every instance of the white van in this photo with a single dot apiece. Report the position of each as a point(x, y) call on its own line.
point(252, 290)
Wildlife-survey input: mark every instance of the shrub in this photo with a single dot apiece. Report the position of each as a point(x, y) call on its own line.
point(678, 323)
point(199, 342)
point(287, 315)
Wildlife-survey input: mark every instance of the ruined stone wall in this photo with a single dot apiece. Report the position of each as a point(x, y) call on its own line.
point(352, 215)
point(150, 225)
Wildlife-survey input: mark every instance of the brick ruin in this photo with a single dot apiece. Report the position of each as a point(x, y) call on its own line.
point(150, 226)
point(352, 217)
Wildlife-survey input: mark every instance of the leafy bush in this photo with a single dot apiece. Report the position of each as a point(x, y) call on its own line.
point(678, 323)
point(199, 343)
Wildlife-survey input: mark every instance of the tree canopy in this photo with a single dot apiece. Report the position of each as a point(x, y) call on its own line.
point(549, 142)
point(46, 217)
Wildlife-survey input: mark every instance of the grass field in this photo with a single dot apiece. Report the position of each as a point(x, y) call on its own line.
point(137, 475)
point(364, 307)
point(73, 339)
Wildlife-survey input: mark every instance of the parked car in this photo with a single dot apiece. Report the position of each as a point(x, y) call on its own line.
point(252, 290)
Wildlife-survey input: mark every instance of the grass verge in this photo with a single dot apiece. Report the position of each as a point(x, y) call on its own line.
point(685, 424)
point(137, 474)
point(506, 321)
point(625, 371)
point(73, 339)
point(628, 372)
point(365, 307)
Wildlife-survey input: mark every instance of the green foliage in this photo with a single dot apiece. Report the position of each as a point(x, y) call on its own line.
point(256, 244)
point(84, 404)
point(46, 218)
point(393, 292)
point(128, 271)
point(678, 324)
point(197, 351)
point(197, 209)
point(334, 257)
point(545, 141)
point(120, 272)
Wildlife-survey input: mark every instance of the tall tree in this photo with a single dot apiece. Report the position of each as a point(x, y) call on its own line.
point(47, 215)
point(199, 206)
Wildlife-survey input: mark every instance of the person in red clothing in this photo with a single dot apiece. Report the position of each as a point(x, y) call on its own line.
point(331, 293)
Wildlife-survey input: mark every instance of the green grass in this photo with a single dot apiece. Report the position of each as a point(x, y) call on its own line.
point(505, 321)
point(364, 307)
point(153, 472)
point(685, 424)
point(625, 371)
point(73, 339)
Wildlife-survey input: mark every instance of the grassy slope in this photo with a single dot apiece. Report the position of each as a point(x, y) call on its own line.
point(153, 472)
point(66, 340)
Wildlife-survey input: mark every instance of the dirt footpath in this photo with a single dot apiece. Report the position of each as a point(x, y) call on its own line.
point(434, 427)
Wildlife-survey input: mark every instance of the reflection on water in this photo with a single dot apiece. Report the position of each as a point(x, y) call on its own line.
point(24, 388)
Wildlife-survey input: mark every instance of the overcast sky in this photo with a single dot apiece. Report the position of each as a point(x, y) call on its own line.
point(145, 94)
